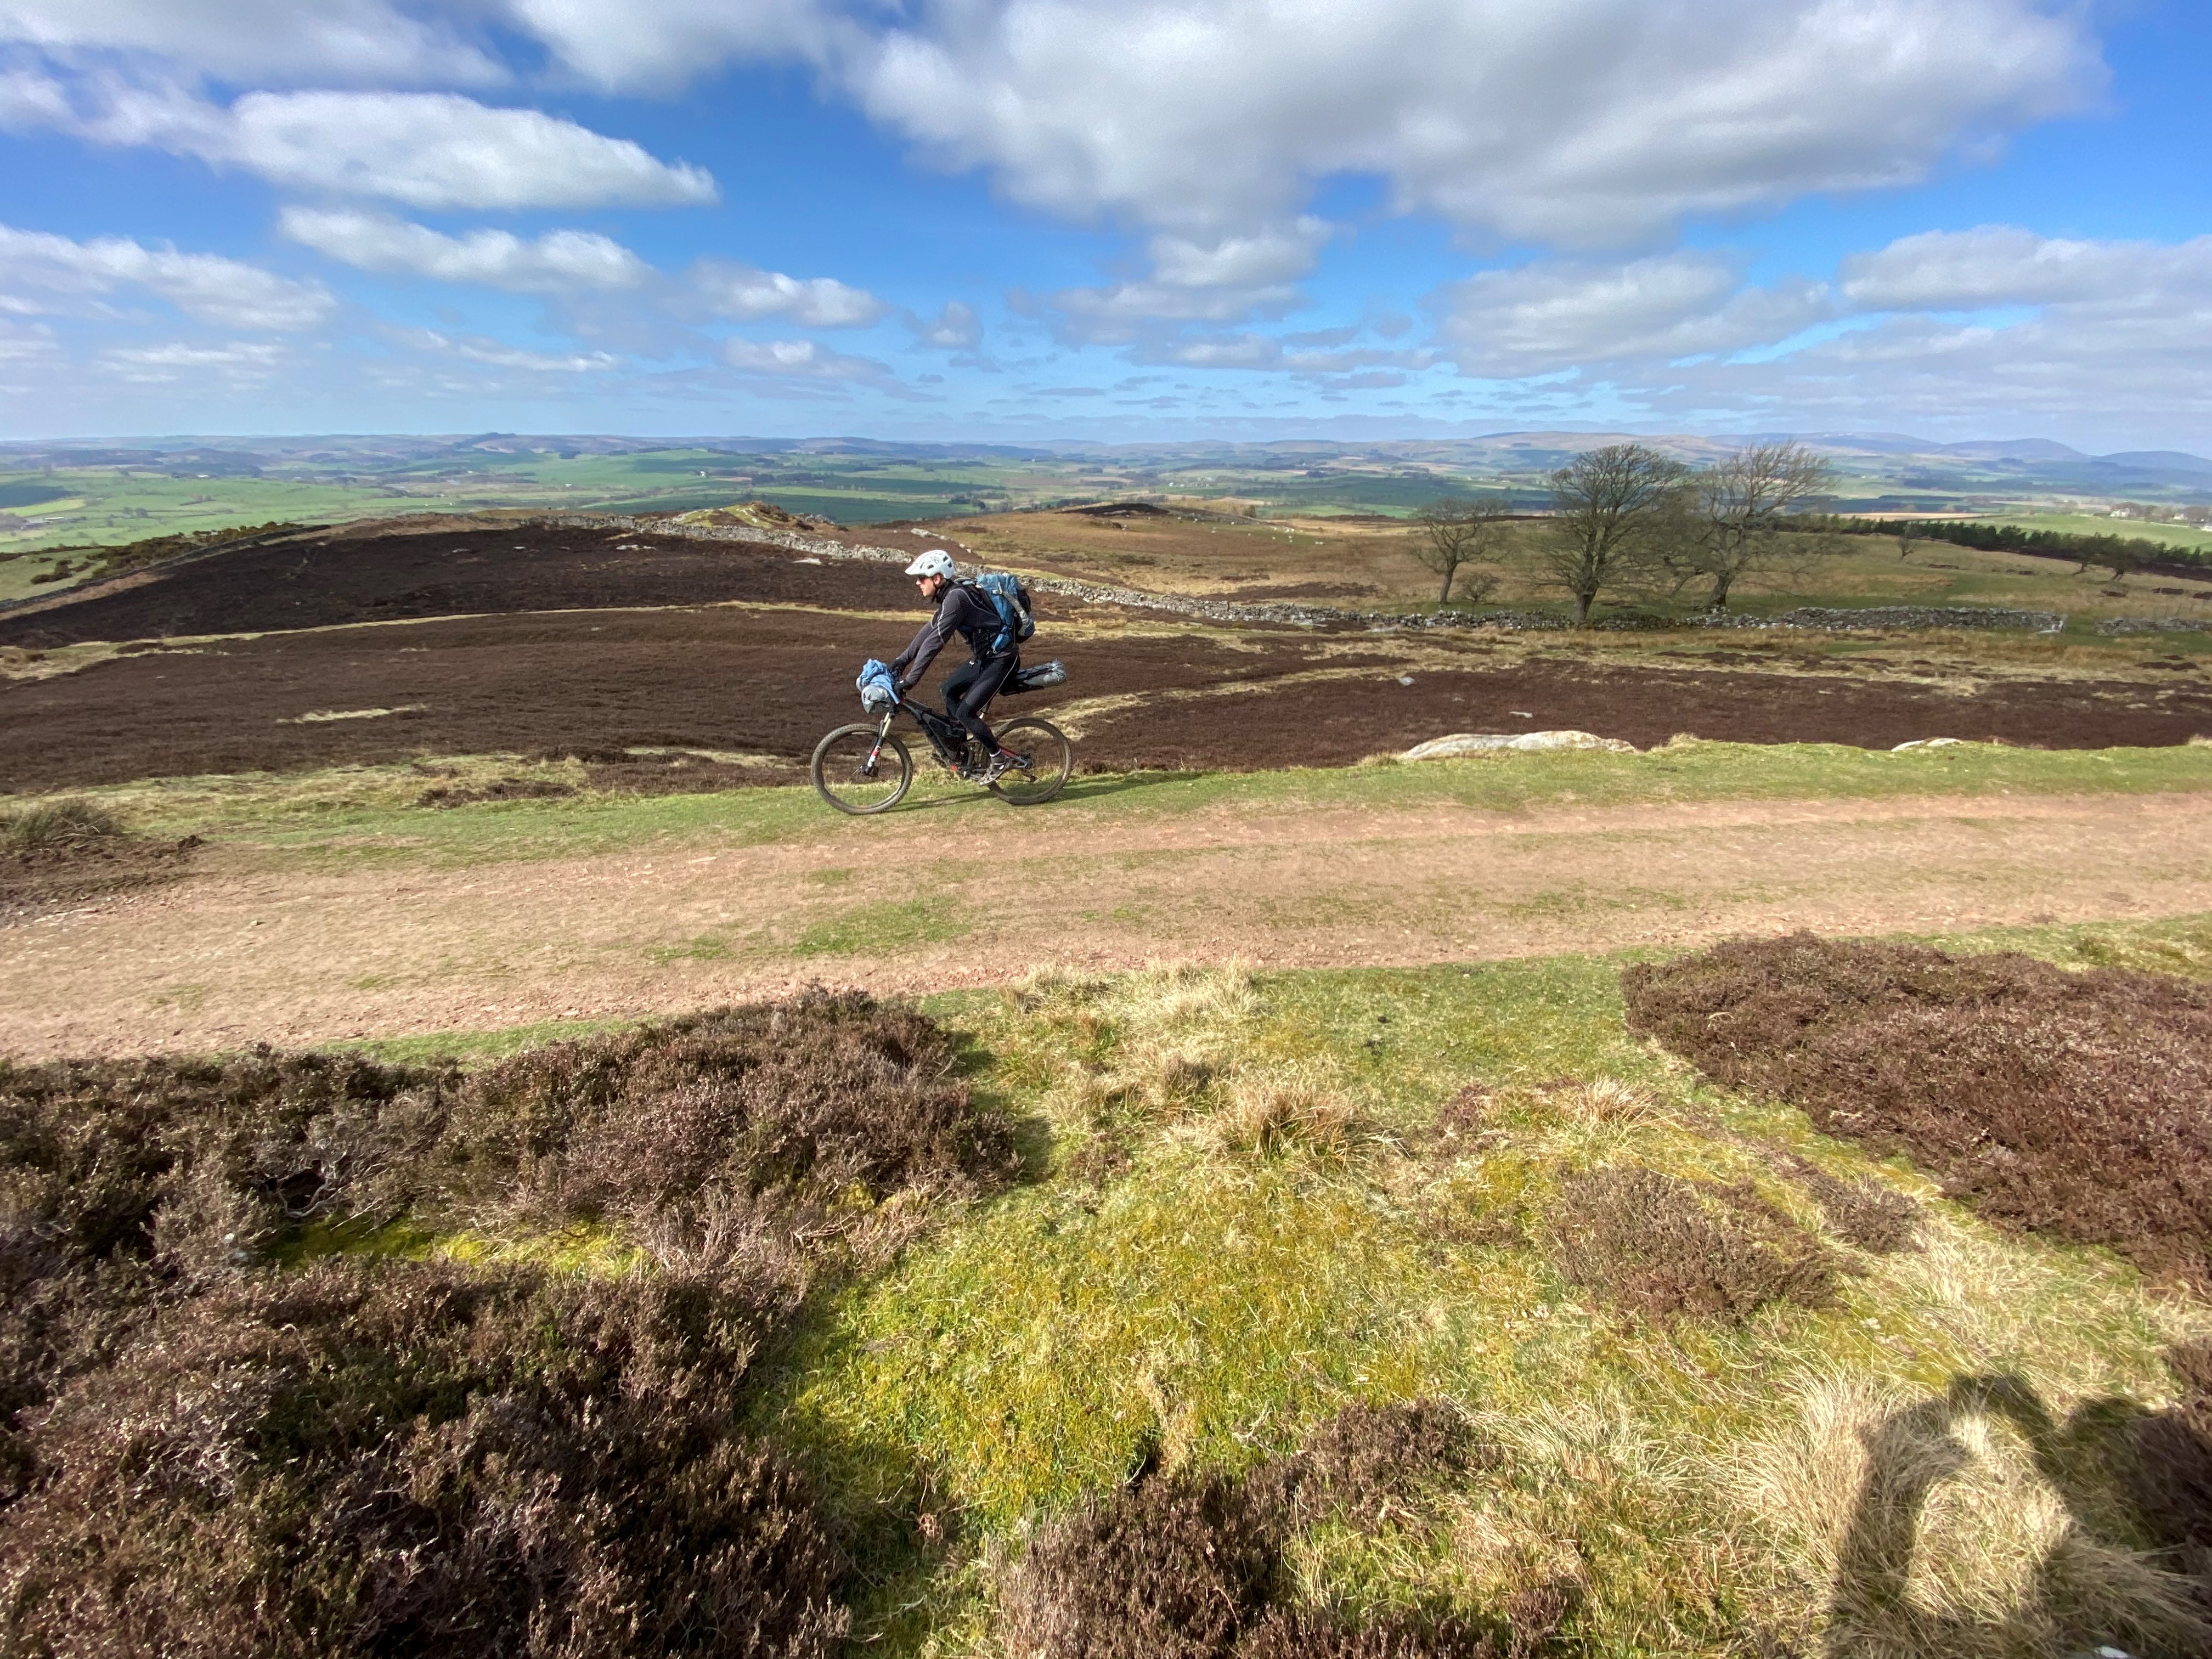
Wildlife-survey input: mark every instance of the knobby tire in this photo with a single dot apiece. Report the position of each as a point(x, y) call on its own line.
point(836, 769)
point(1052, 757)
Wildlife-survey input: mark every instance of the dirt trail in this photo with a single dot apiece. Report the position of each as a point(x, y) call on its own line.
point(968, 894)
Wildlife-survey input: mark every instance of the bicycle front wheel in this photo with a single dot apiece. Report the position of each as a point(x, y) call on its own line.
point(1051, 758)
point(861, 768)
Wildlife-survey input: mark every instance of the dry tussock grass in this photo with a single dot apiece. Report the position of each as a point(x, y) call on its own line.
point(1571, 1122)
point(1144, 1044)
point(1165, 1046)
point(1931, 1530)
point(55, 825)
point(1293, 1109)
point(2068, 1104)
point(1502, 1150)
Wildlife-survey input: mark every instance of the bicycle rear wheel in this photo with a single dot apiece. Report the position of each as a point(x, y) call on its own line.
point(1051, 757)
point(856, 773)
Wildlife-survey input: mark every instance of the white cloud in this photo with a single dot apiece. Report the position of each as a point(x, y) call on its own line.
point(1580, 122)
point(2103, 340)
point(25, 345)
point(1591, 122)
point(1215, 279)
point(723, 289)
point(956, 328)
point(560, 261)
point(1277, 253)
point(240, 40)
point(236, 364)
point(2119, 336)
point(1133, 310)
point(434, 151)
point(800, 360)
point(2000, 264)
point(1542, 318)
point(66, 275)
point(498, 354)
point(662, 43)
point(442, 151)
point(1279, 354)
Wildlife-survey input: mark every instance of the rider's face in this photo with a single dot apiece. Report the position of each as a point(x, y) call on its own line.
point(930, 586)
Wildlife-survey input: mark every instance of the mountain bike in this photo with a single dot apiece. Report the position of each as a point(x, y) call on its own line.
point(865, 768)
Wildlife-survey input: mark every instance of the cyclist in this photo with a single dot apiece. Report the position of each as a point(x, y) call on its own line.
point(961, 610)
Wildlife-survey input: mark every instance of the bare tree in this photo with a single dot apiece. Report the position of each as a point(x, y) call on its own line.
point(1737, 508)
point(1615, 512)
point(2116, 556)
point(1906, 538)
point(1457, 531)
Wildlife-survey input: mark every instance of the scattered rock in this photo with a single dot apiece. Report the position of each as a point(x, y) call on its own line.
point(2153, 625)
point(755, 515)
point(1880, 616)
point(1484, 743)
point(1928, 743)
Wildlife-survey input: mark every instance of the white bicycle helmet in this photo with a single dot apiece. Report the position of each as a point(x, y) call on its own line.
point(935, 562)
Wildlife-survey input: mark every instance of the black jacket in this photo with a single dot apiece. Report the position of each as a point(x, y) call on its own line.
point(960, 610)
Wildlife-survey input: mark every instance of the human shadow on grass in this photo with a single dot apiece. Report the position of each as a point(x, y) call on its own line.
point(2112, 1463)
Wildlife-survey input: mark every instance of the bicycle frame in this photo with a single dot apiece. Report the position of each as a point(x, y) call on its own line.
point(939, 730)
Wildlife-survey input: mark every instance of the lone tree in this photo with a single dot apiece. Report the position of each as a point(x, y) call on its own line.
point(1616, 513)
point(1457, 532)
point(1737, 508)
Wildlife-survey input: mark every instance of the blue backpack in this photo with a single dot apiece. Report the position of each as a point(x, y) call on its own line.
point(1011, 601)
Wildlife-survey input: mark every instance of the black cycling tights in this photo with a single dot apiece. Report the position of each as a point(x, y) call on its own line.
point(968, 688)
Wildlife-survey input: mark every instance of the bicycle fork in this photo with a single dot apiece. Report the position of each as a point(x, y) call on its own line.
point(876, 749)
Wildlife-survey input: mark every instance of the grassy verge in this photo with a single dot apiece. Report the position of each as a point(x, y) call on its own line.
point(366, 815)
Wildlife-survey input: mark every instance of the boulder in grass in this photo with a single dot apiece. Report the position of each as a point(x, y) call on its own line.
point(1484, 743)
point(1927, 743)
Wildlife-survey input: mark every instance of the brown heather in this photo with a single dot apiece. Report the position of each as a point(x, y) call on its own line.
point(204, 1453)
point(1664, 1248)
point(1368, 1462)
point(370, 1458)
point(1190, 1566)
point(1862, 1211)
point(806, 1101)
point(2170, 1478)
point(1176, 1568)
point(2074, 1105)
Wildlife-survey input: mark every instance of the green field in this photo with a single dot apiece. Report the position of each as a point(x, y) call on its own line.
point(324, 480)
point(2082, 523)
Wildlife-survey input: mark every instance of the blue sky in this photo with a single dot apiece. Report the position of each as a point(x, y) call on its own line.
point(1009, 220)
